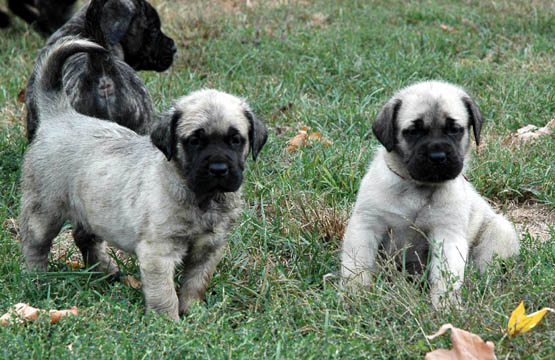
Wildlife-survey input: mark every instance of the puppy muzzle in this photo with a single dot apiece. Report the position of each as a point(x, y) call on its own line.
point(216, 176)
point(435, 162)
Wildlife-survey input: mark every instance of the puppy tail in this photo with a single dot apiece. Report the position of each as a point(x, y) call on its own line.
point(51, 96)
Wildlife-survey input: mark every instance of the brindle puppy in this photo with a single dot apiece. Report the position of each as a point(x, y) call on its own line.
point(105, 85)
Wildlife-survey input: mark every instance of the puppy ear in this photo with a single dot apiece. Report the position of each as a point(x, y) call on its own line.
point(257, 133)
point(474, 117)
point(385, 124)
point(163, 136)
point(114, 19)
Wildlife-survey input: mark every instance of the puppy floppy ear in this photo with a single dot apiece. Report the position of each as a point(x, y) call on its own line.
point(164, 135)
point(257, 133)
point(474, 117)
point(113, 18)
point(385, 124)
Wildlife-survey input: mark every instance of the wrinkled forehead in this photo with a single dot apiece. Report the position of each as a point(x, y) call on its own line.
point(432, 107)
point(214, 114)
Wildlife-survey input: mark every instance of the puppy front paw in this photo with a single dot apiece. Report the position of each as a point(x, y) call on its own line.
point(443, 300)
point(355, 279)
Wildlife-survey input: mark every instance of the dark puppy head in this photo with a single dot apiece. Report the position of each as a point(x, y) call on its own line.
point(428, 126)
point(130, 28)
point(209, 136)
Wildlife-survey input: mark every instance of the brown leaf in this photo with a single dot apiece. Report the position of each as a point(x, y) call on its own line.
point(315, 136)
point(21, 95)
point(531, 132)
point(282, 110)
point(74, 264)
point(319, 18)
point(298, 141)
point(132, 282)
point(56, 315)
point(19, 313)
point(10, 224)
point(466, 346)
point(24, 311)
point(447, 28)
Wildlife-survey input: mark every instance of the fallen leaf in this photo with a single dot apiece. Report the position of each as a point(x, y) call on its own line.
point(19, 313)
point(466, 346)
point(132, 282)
point(315, 136)
point(74, 264)
point(21, 95)
point(56, 315)
point(22, 311)
point(319, 18)
point(520, 323)
point(531, 132)
point(281, 130)
point(10, 224)
point(298, 141)
point(283, 109)
point(447, 28)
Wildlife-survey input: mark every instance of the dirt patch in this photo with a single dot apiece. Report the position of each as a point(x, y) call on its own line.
point(532, 218)
point(63, 247)
point(64, 250)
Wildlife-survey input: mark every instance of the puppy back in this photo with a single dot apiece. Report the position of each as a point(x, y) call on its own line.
point(51, 96)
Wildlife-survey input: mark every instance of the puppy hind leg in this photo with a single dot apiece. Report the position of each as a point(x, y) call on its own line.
point(198, 267)
point(93, 250)
point(497, 238)
point(38, 228)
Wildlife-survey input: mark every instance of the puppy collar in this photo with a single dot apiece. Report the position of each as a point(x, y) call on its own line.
point(395, 172)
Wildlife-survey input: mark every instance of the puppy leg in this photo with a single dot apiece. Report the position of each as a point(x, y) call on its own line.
point(360, 248)
point(198, 267)
point(93, 250)
point(39, 226)
point(449, 255)
point(498, 238)
point(158, 286)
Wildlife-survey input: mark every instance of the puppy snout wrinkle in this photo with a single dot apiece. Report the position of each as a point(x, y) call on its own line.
point(218, 169)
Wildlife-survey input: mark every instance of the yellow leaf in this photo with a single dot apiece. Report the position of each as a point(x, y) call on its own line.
point(520, 323)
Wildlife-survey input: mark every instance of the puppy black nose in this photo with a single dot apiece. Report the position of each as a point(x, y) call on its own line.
point(173, 48)
point(437, 157)
point(218, 169)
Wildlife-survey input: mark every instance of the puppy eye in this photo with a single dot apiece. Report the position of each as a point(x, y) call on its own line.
point(455, 130)
point(413, 131)
point(194, 141)
point(236, 140)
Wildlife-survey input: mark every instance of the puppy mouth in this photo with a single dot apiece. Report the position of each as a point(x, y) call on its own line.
point(434, 174)
point(204, 185)
point(434, 167)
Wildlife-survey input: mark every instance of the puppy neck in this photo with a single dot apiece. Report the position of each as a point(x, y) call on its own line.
point(395, 165)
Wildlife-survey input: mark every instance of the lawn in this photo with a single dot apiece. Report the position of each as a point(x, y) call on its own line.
point(327, 66)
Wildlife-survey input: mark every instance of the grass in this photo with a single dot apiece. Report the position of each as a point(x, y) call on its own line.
point(328, 66)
